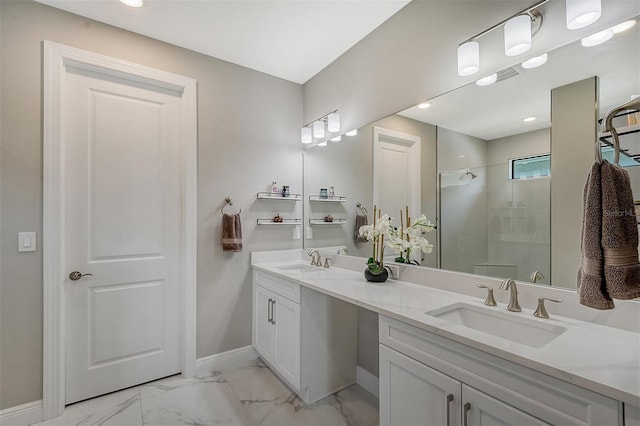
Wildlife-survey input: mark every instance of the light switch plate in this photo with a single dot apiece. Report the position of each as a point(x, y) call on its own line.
point(26, 241)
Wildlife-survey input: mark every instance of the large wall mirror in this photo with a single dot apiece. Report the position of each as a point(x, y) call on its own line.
point(477, 161)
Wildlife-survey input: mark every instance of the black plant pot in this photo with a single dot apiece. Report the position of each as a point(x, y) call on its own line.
point(380, 278)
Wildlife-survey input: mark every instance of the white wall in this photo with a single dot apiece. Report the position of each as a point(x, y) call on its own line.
point(237, 156)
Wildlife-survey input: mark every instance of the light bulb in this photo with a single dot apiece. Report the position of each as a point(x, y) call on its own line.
point(485, 81)
point(468, 58)
point(597, 38)
point(517, 35)
point(581, 13)
point(318, 129)
point(305, 135)
point(333, 122)
point(536, 61)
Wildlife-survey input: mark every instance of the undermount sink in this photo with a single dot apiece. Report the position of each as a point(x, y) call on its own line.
point(506, 325)
point(299, 268)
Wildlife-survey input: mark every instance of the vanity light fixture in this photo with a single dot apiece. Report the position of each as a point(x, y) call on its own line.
point(536, 61)
point(581, 13)
point(305, 135)
point(597, 38)
point(336, 139)
point(624, 26)
point(490, 79)
point(352, 132)
point(468, 58)
point(424, 105)
point(528, 119)
point(517, 35)
point(132, 3)
point(318, 129)
point(333, 122)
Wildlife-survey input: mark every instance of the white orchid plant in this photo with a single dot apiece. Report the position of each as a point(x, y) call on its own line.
point(401, 241)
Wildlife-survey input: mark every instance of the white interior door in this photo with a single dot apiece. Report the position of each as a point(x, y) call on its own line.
point(123, 180)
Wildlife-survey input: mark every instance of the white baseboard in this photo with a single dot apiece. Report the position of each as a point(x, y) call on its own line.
point(225, 361)
point(367, 381)
point(22, 415)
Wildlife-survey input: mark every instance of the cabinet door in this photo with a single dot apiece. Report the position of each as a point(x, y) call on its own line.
point(263, 329)
point(480, 409)
point(286, 315)
point(413, 394)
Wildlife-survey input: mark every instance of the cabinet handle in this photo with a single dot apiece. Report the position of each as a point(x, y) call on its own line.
point(269, 313)
point(465, 410)
point(449, 399)
point(273, 313)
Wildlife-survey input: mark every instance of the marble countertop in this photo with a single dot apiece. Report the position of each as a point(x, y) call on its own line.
point(602, 359)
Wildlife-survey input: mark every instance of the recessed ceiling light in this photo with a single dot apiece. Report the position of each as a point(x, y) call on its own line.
point(132, 3)
point(597, 38)
point(535, 61)
point(424, 105)
point(352, 132)
point(527, 119)
point(323, 143)
point(624, 26)
point(485, 81)
point(336, 139)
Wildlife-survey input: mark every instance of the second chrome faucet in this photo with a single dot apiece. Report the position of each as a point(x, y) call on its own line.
point(510, 284)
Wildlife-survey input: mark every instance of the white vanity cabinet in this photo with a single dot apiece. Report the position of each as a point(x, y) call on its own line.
point(631, 415)
point(429, 379)
point(309, 339)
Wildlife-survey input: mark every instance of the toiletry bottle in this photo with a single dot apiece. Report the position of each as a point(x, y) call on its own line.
point(332, 192)
point(274, 187)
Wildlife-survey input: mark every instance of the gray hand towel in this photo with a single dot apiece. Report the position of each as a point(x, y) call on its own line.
point(592, 291)
point(361, 220)
point(619, 234)
point(231, 232)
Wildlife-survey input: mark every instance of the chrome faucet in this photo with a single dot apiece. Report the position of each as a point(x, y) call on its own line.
point(535, 276)
point(510, 284)
point(316, 260)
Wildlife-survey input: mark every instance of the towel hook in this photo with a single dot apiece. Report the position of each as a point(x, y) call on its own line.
point(361, 207)
point(228, 202)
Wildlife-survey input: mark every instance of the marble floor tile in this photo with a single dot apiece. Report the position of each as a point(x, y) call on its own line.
point(115, 409)
point(192, 402)
point(358, 406)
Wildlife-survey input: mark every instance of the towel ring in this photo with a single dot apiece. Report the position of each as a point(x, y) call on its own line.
point(228, 202)
point(361, 207)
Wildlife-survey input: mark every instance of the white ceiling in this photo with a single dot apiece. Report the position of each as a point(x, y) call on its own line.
point(290, 39)
point(496, 111)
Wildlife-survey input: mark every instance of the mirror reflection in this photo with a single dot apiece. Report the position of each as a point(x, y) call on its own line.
point(476, 160)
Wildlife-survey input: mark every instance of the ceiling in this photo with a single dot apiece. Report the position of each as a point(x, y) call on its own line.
point(497, 110)
point(290, 39)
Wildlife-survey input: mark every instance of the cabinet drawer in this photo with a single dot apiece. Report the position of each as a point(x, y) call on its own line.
point(547, 398)
point(279, 285)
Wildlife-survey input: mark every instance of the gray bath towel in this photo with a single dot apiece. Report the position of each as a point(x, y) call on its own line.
point(591, 285)
point(361, 220)
point(231, 232)
point(619, 234)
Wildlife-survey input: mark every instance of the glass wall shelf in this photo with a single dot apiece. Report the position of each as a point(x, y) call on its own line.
point(284, 222)
point(322, 222)
point(334, 199)
point(278, 196)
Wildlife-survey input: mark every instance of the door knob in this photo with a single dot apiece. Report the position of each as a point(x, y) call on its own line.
point(75, 275)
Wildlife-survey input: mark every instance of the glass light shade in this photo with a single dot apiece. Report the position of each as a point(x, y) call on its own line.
point(132, 3)
point(468, 58)
point(305, 135)
point(536, 61)
point(352, 132)
point(485, 81)
point(336, 139)
point(597, 38)
point(581, 13)
point(333, 122)
point(323, 143)
point(517, 35)
point(318, 129)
